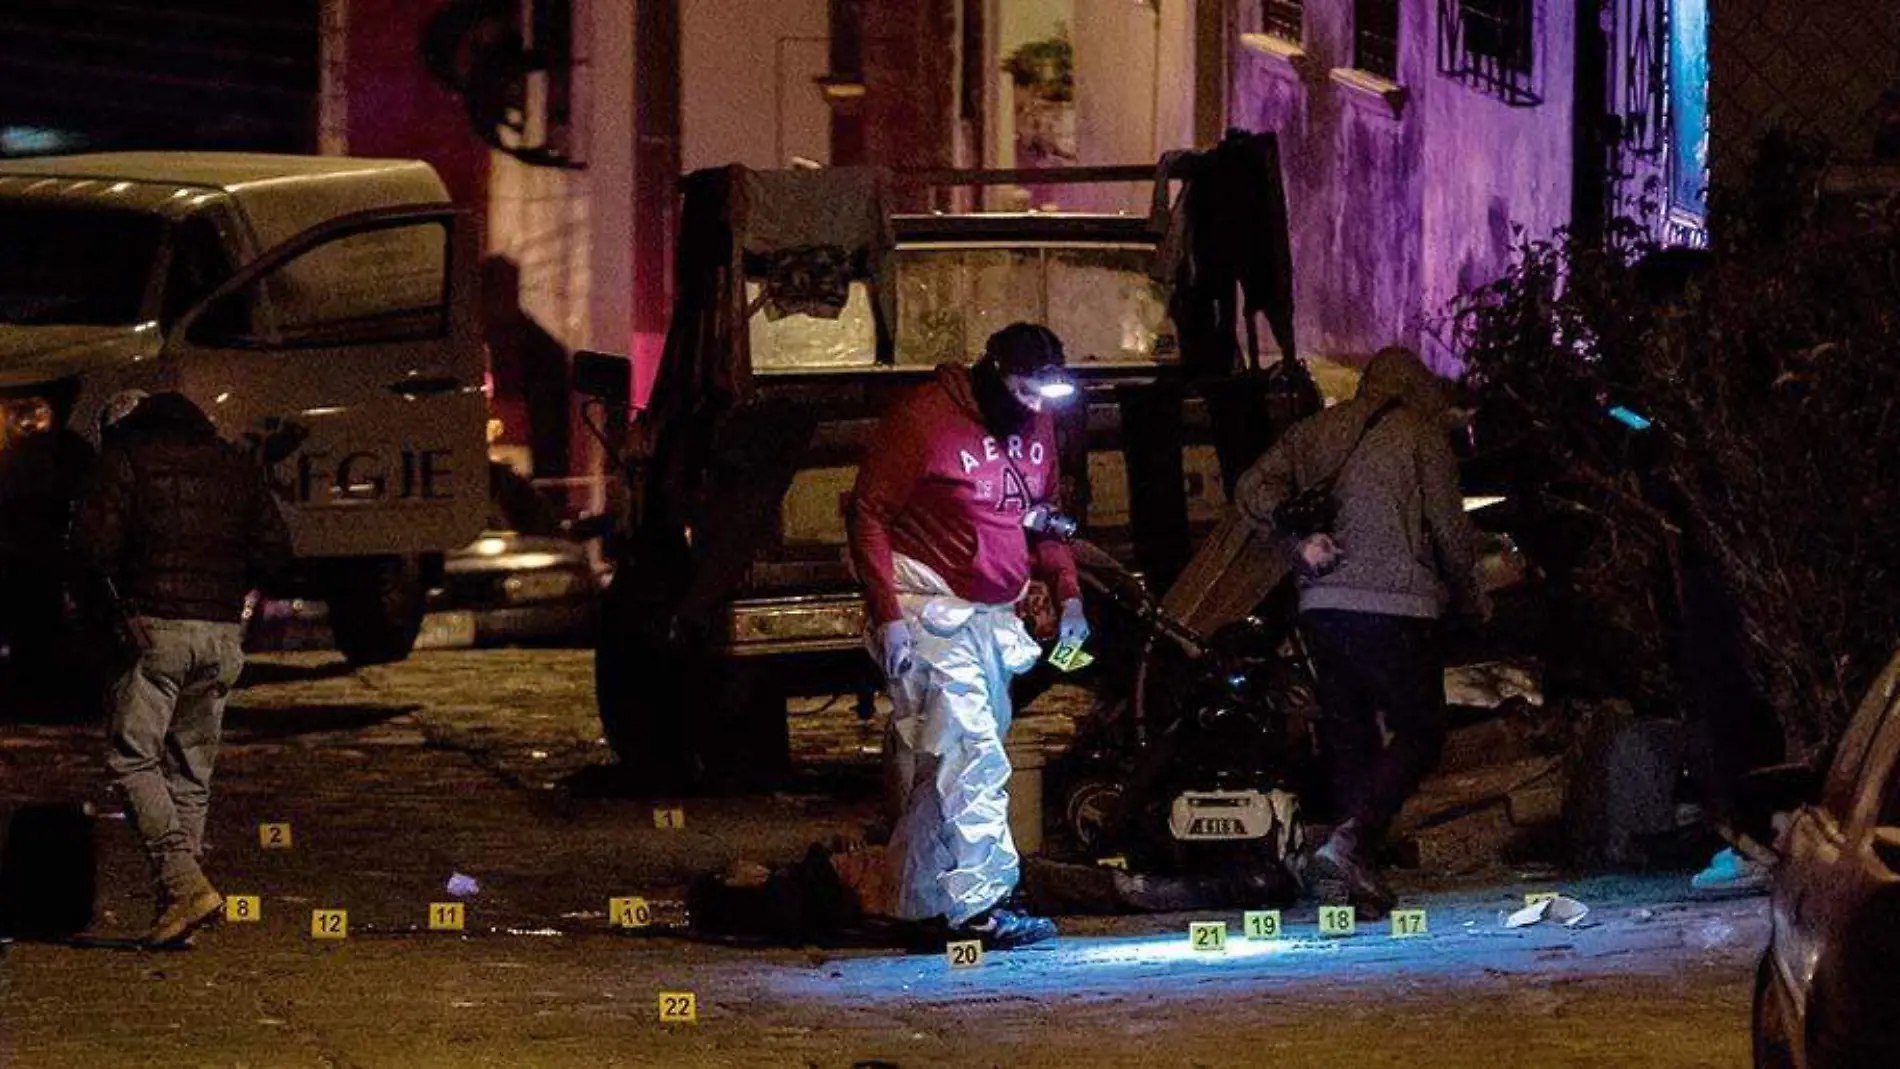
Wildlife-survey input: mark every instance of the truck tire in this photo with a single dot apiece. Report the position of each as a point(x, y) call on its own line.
point(376, 607)
point(638, 688)
point(751, 745)
point(679, 716)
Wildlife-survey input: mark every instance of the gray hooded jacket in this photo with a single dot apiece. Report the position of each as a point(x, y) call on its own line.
point(1409, 548)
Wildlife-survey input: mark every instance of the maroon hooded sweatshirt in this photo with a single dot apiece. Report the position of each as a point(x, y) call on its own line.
point(938, 487)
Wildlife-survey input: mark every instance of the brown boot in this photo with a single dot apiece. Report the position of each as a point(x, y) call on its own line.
point(184, 914)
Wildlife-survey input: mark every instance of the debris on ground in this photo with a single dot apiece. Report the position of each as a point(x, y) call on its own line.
point(1563, 909)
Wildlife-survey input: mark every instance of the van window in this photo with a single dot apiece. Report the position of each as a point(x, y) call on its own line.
point(198, 266)
point(69, 265)
point(363, 287)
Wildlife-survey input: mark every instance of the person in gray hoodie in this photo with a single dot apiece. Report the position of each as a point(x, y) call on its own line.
point(1400, 554)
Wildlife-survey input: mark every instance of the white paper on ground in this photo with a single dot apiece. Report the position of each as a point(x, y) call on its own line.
point(1562, 909)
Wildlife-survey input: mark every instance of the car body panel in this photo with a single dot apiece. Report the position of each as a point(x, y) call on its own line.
point(366, 256)
point(521, 589)
point(279, 196)
point(1833, 884)
point(32, 356)
point(368, 463)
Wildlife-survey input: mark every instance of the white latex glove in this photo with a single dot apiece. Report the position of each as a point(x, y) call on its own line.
point(1075, 624)
point(895, 641)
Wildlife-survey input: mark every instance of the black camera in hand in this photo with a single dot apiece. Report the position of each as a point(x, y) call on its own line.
point(1044, 520)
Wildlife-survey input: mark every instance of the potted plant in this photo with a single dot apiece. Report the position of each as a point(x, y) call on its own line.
point(1044, 76)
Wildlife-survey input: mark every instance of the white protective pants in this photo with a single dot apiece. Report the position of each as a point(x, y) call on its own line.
point(949, 774)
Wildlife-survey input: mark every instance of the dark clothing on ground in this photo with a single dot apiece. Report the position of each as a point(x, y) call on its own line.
point(822, 899)
point(1371, 665)
point(1057, 889)
point(183, 524)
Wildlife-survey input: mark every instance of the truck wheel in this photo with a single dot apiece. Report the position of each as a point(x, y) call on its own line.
point(1092, 813)
point(750, 744)
point(376, 608)
point(679, 717)
point(638, 686)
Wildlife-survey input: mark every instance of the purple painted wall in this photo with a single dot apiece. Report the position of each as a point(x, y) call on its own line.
point(1396, 210)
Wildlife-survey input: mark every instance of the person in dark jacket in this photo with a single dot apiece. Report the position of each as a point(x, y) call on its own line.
point(1401, 552)
point(184, 527)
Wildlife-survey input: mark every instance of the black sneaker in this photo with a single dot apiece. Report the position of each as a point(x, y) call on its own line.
point(1000, 929)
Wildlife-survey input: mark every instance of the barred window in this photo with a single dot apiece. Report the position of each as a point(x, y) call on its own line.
point(1284, 19)
point(1375, 37)
point(1488, 45)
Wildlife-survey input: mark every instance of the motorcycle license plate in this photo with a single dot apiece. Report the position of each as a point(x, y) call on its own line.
point(1203, 816)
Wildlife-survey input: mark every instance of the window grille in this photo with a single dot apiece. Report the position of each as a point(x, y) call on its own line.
point(1489, 45)
point(1284, 19)
point(1375, 37)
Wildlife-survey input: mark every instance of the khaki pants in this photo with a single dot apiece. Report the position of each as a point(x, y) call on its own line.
point(167, 717)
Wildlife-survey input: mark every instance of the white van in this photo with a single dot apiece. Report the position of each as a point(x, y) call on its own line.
point(321, 310)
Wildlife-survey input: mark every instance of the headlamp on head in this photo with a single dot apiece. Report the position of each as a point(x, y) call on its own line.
point(1055, 386)
point(24, 416)
point(1034, 352)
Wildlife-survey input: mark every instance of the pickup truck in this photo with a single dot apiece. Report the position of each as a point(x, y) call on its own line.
point(732, 589)
point(321, 310)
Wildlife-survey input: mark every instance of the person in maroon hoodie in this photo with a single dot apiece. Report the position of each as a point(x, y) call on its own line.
point(940, 524)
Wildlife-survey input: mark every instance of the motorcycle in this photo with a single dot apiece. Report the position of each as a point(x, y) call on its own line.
point(1197, 762)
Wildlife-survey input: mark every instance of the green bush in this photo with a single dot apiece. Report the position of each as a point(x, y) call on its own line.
point(1045, 67)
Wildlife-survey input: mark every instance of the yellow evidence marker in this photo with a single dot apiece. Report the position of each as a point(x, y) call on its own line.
point(669, 819)
point(1069, 657)
point(1408, 922)
point(329, 924)
point(1116, 862)
point(1210, 936)
point(447, 916)
point(1261, 923)
point(679, 1007)
point(629, 912)
point(967, 954)
point(1337, 920)
point(273, 836)
point(243, 909)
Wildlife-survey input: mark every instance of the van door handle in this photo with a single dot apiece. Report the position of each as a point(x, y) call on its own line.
point(419, 387)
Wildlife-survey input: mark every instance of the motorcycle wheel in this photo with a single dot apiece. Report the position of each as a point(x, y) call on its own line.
point(1090, 812)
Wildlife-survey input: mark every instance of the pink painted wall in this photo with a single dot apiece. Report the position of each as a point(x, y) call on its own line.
point(396, 109)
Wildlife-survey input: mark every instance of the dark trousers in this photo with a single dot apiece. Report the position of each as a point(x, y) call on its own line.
point(1382, 690)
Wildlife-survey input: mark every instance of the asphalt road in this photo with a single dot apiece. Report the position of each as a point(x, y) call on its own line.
point(487, 764)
